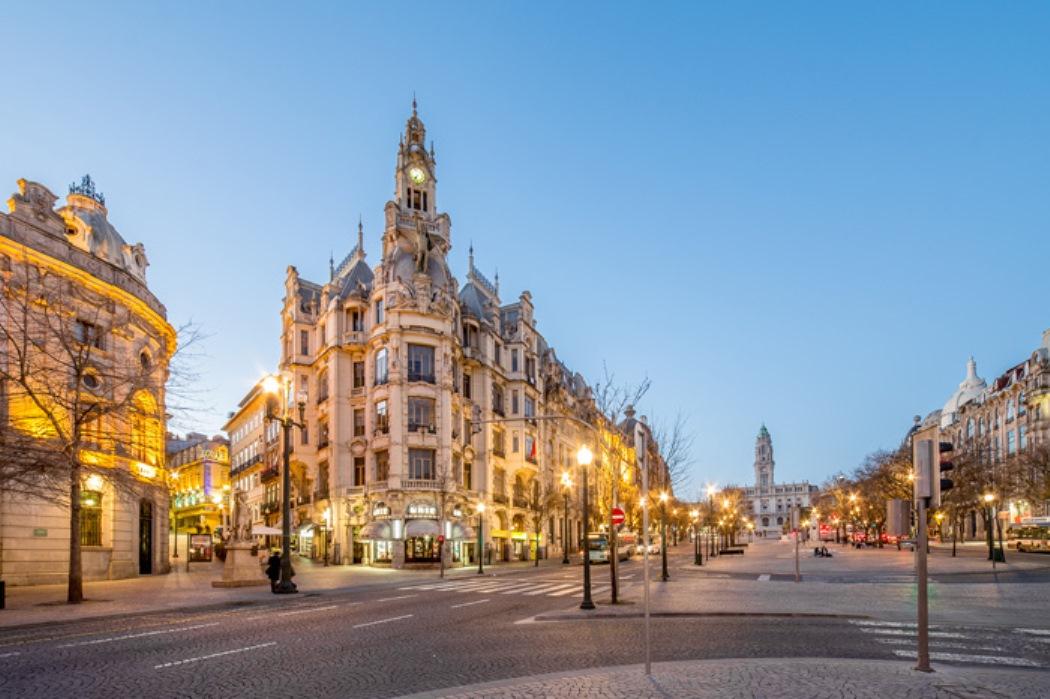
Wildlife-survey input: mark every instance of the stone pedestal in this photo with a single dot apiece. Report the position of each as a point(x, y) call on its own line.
point(241, 568)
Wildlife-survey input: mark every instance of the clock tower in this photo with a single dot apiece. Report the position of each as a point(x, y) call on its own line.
point(413, 211)
point(764, 462)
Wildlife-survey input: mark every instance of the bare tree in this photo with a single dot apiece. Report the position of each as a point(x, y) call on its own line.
point(675, 440)
point(544, 498)
point(83, 392)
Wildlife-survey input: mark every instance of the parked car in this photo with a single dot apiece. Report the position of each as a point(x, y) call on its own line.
point(654, 547)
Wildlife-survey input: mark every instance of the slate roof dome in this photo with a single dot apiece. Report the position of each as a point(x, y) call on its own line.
point(85, 212)
point(970, 389)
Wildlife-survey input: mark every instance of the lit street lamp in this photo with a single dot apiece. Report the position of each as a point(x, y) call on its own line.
point(275, 388)
point(583, 458)
point(663, 536)
point(566, 483)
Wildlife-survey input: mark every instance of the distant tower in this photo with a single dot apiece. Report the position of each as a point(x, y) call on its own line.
point(764, 462)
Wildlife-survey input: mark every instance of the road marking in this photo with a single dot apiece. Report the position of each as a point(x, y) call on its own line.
point(893, 624)
point(467, 604)
point(1034, 632)
point(911, 632)
point(596, 590)
point(381, 621)
point(135, 635)
point(309, 609)
point(967, 658)
point(550, 588)
point(572, 588)
point(9, 655)
point(520, 588)
point(764, 577)
point(214, 655)
point(939, 644)
point(391, 599)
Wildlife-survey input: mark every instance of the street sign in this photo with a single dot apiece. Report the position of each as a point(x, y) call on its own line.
point(618, 516)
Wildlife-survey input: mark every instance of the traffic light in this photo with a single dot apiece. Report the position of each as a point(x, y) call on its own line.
point(941, 484)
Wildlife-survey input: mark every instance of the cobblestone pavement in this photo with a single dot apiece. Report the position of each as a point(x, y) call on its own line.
point(420, 634)
point(784, 679)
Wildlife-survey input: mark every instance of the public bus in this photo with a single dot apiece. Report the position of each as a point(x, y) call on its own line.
point(598, 547)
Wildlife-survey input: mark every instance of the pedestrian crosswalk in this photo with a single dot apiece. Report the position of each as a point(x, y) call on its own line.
point(548, 587)
point(962, 644)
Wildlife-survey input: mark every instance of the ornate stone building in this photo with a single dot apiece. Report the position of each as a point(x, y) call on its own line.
point(994, 423)
point(105, 342)
point(425, 399)
point(771, 503)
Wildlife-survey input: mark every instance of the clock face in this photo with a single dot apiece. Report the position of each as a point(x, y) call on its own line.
point(417, 175)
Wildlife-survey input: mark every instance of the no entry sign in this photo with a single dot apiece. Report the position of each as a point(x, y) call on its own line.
point(617, 516)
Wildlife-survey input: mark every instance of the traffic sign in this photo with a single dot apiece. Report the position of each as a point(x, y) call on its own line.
point(617, 516)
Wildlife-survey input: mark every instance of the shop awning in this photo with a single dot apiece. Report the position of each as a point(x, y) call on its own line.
point(260, 530)
point(421, 527)
point(376, 531)
point(462, 531)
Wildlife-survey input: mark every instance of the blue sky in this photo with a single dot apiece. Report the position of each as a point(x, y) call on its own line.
point(807, 215)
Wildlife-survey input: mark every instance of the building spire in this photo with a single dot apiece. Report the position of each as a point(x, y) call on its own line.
point(470, 257)
point(497, 281)
point(331, 265)
point(360, 234)
point(413, 103)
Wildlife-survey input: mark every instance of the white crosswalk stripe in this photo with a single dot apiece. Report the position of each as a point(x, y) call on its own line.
point(961, 644)
point(551, 587)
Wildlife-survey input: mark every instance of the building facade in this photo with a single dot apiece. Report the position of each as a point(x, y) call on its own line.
point(100, 361)
point(255, 461)
point(770, 503)
point(199, 474)
point(430, 408)
point(993, 424)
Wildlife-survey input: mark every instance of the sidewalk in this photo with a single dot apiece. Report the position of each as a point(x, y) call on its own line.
point(38, 604)
point(761, 583)
point(803, 678)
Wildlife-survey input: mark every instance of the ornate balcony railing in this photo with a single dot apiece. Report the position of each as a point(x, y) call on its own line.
point(500, 498)
point(420, 484)
point(521, 502)
point(428, 377)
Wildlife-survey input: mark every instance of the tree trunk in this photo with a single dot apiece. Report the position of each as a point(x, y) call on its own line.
point(75, 587)
point(539, 526)
point(955, 533)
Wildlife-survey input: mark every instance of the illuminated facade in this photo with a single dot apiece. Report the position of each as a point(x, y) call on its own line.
point(255, 460)
point(993, 424)
point(199, 475)
point(122, 330)
point(425, 399)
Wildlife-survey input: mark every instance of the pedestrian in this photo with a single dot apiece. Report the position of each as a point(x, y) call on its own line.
point(273, 570)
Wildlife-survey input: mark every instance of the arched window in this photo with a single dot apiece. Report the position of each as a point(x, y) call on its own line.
point(146, 438)
point(983, 427)
point(1011, 410)
point(1021, 408)
point(969, 428)
point(90, 518)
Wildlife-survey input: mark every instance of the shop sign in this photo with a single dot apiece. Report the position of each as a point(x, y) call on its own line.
point(380, 510)
point(39, 531)
point(422, 509)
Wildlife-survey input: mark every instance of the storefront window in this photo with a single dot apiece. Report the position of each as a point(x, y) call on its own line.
point(423, 549)
point(383, 551)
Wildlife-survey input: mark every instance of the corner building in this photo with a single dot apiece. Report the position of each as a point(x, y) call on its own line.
point(123, 329)
point(423, 398)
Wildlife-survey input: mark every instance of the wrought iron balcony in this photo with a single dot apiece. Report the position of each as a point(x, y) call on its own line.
point(422, 427)
point(500, 498)
point(428, 377)
point(521, 502)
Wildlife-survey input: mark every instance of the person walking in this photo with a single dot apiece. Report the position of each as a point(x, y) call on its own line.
point(273, 569)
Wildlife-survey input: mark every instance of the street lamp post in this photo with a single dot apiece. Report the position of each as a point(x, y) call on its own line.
point(583, 458)
point(566, 482)
point(481, 524)
point(274, 387)
point(663, 537)
point(711, 491)
point(698, 558)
